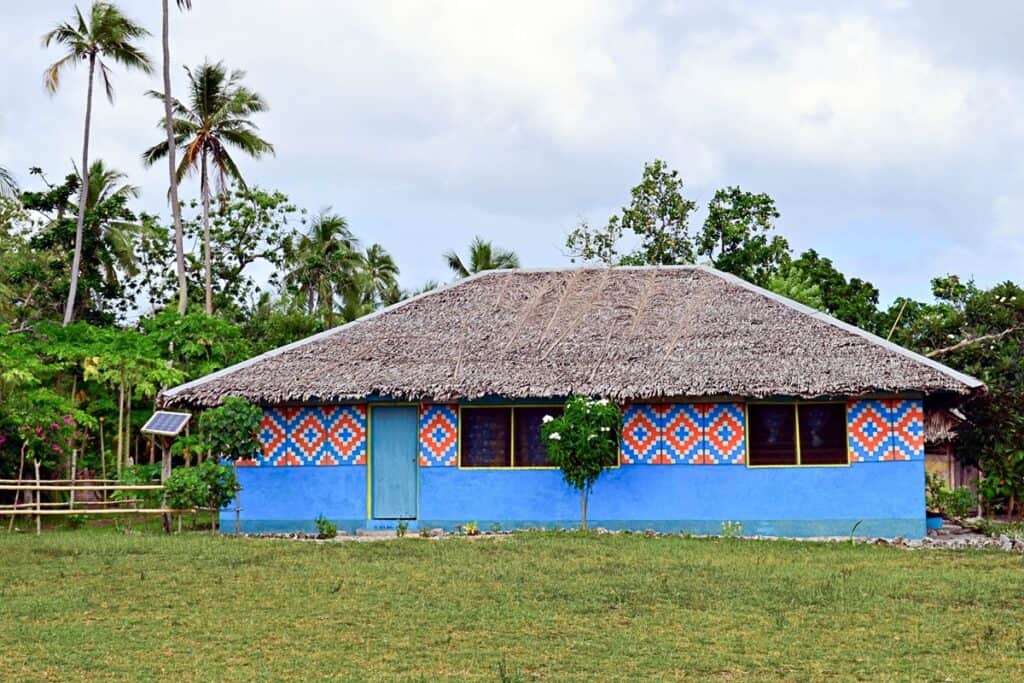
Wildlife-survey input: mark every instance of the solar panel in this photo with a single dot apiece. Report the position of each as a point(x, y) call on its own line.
point(166, 423)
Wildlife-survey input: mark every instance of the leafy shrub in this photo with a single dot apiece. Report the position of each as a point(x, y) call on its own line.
point(471, 529)
point(140, 475)
point(325, 528)
point(230, 430)
point(209, 484)
point(401, 529)
point(75, 521)
point(958, 502)
point(950, 502)
point(583, 441)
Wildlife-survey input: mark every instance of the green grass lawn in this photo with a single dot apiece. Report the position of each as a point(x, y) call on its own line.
point(102, 605)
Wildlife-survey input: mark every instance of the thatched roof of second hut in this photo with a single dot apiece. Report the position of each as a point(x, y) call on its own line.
point(624, 333)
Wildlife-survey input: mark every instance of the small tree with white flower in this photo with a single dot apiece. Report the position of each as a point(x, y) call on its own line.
point(583, 441)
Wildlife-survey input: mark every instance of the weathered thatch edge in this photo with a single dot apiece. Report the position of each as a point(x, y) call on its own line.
point(174, 391)
point(972, 382)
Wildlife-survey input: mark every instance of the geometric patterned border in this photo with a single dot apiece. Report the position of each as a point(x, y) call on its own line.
point(886, 429)
point(439, 435)
point(642, 442)
point(293, 436)
point(683, 433)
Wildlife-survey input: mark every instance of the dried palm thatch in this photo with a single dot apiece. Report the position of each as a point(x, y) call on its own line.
point(623, 333)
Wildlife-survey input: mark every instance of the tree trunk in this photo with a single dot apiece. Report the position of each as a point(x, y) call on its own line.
point(205, 188)
point(17, 494)
point(179, 236)
point(583, 509)
point(83, 196)
point(120, 428)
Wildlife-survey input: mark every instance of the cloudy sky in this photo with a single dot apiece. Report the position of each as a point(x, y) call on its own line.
point(889, 134)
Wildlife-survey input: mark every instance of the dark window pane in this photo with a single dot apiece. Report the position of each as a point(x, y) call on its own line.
point(823, 434)
point(772, 438)
point(486, 437)
point(530, 451)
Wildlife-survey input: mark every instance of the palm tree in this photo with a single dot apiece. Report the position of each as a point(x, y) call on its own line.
point(218, 117)
point(172, 193)
point(107, 34)
point(113, 236)
point(8, 186)
point(482, 256)
point(380, 274)
point(328, 264)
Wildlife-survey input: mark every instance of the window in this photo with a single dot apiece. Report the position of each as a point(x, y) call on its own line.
point(772, 434)
point(529, 446)
point(797, 434)
point(504, 437)
point(822, 434)
point(486, 437)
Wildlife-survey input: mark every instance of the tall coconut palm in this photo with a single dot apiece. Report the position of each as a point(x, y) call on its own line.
point(381, 275)
point(327, 265)
point(172, 193)
point(108, 34)
point(8, 186)
point(482, 256)
point(217, 118)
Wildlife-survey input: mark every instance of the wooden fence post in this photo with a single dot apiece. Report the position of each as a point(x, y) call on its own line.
point(39, 498)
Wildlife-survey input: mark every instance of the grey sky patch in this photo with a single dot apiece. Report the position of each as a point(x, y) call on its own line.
point(886, 132)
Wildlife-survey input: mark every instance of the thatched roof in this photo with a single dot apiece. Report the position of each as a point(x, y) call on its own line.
point(623, 333)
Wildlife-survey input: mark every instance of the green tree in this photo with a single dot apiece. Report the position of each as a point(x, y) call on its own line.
point(172, 192)
point(793, 282)
point(381, 276)
point(583, 442)
point(853, 300)
point(218, 118)
point(108, 243)
point(658, 217)
point(736, 237)
point(482, 256)
point(253, 225)
point(108, 34)
point(326, 266)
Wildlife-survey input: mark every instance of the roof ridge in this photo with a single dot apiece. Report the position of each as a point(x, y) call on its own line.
point(964, 378)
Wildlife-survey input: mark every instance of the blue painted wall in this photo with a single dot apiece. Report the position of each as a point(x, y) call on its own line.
point(807, 501)
point(290, 498)
point(885, 496)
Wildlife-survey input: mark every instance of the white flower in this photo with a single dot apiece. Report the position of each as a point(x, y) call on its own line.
point(555, 436)
point(601, 402)
point(1002, 299)
point(547, 418)
point(606, 429)
point(951, 336)
point(590, 437)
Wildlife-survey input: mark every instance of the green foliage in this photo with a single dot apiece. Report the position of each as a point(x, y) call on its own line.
point(737, 238)
point(658, 217)
point(583, 441)
point(325, 528)
point(196, 344)
point(140, 475)
point(939, 498)
point(853, 300)
point(794, 283)
point(483, 255)
point(401, 528)
point(209, 484)
point(471, 528)
point(230, 429)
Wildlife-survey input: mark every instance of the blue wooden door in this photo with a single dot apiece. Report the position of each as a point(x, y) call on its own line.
point(393, 447)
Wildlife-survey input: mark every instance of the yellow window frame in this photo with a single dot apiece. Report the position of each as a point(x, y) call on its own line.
point(796, 426)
